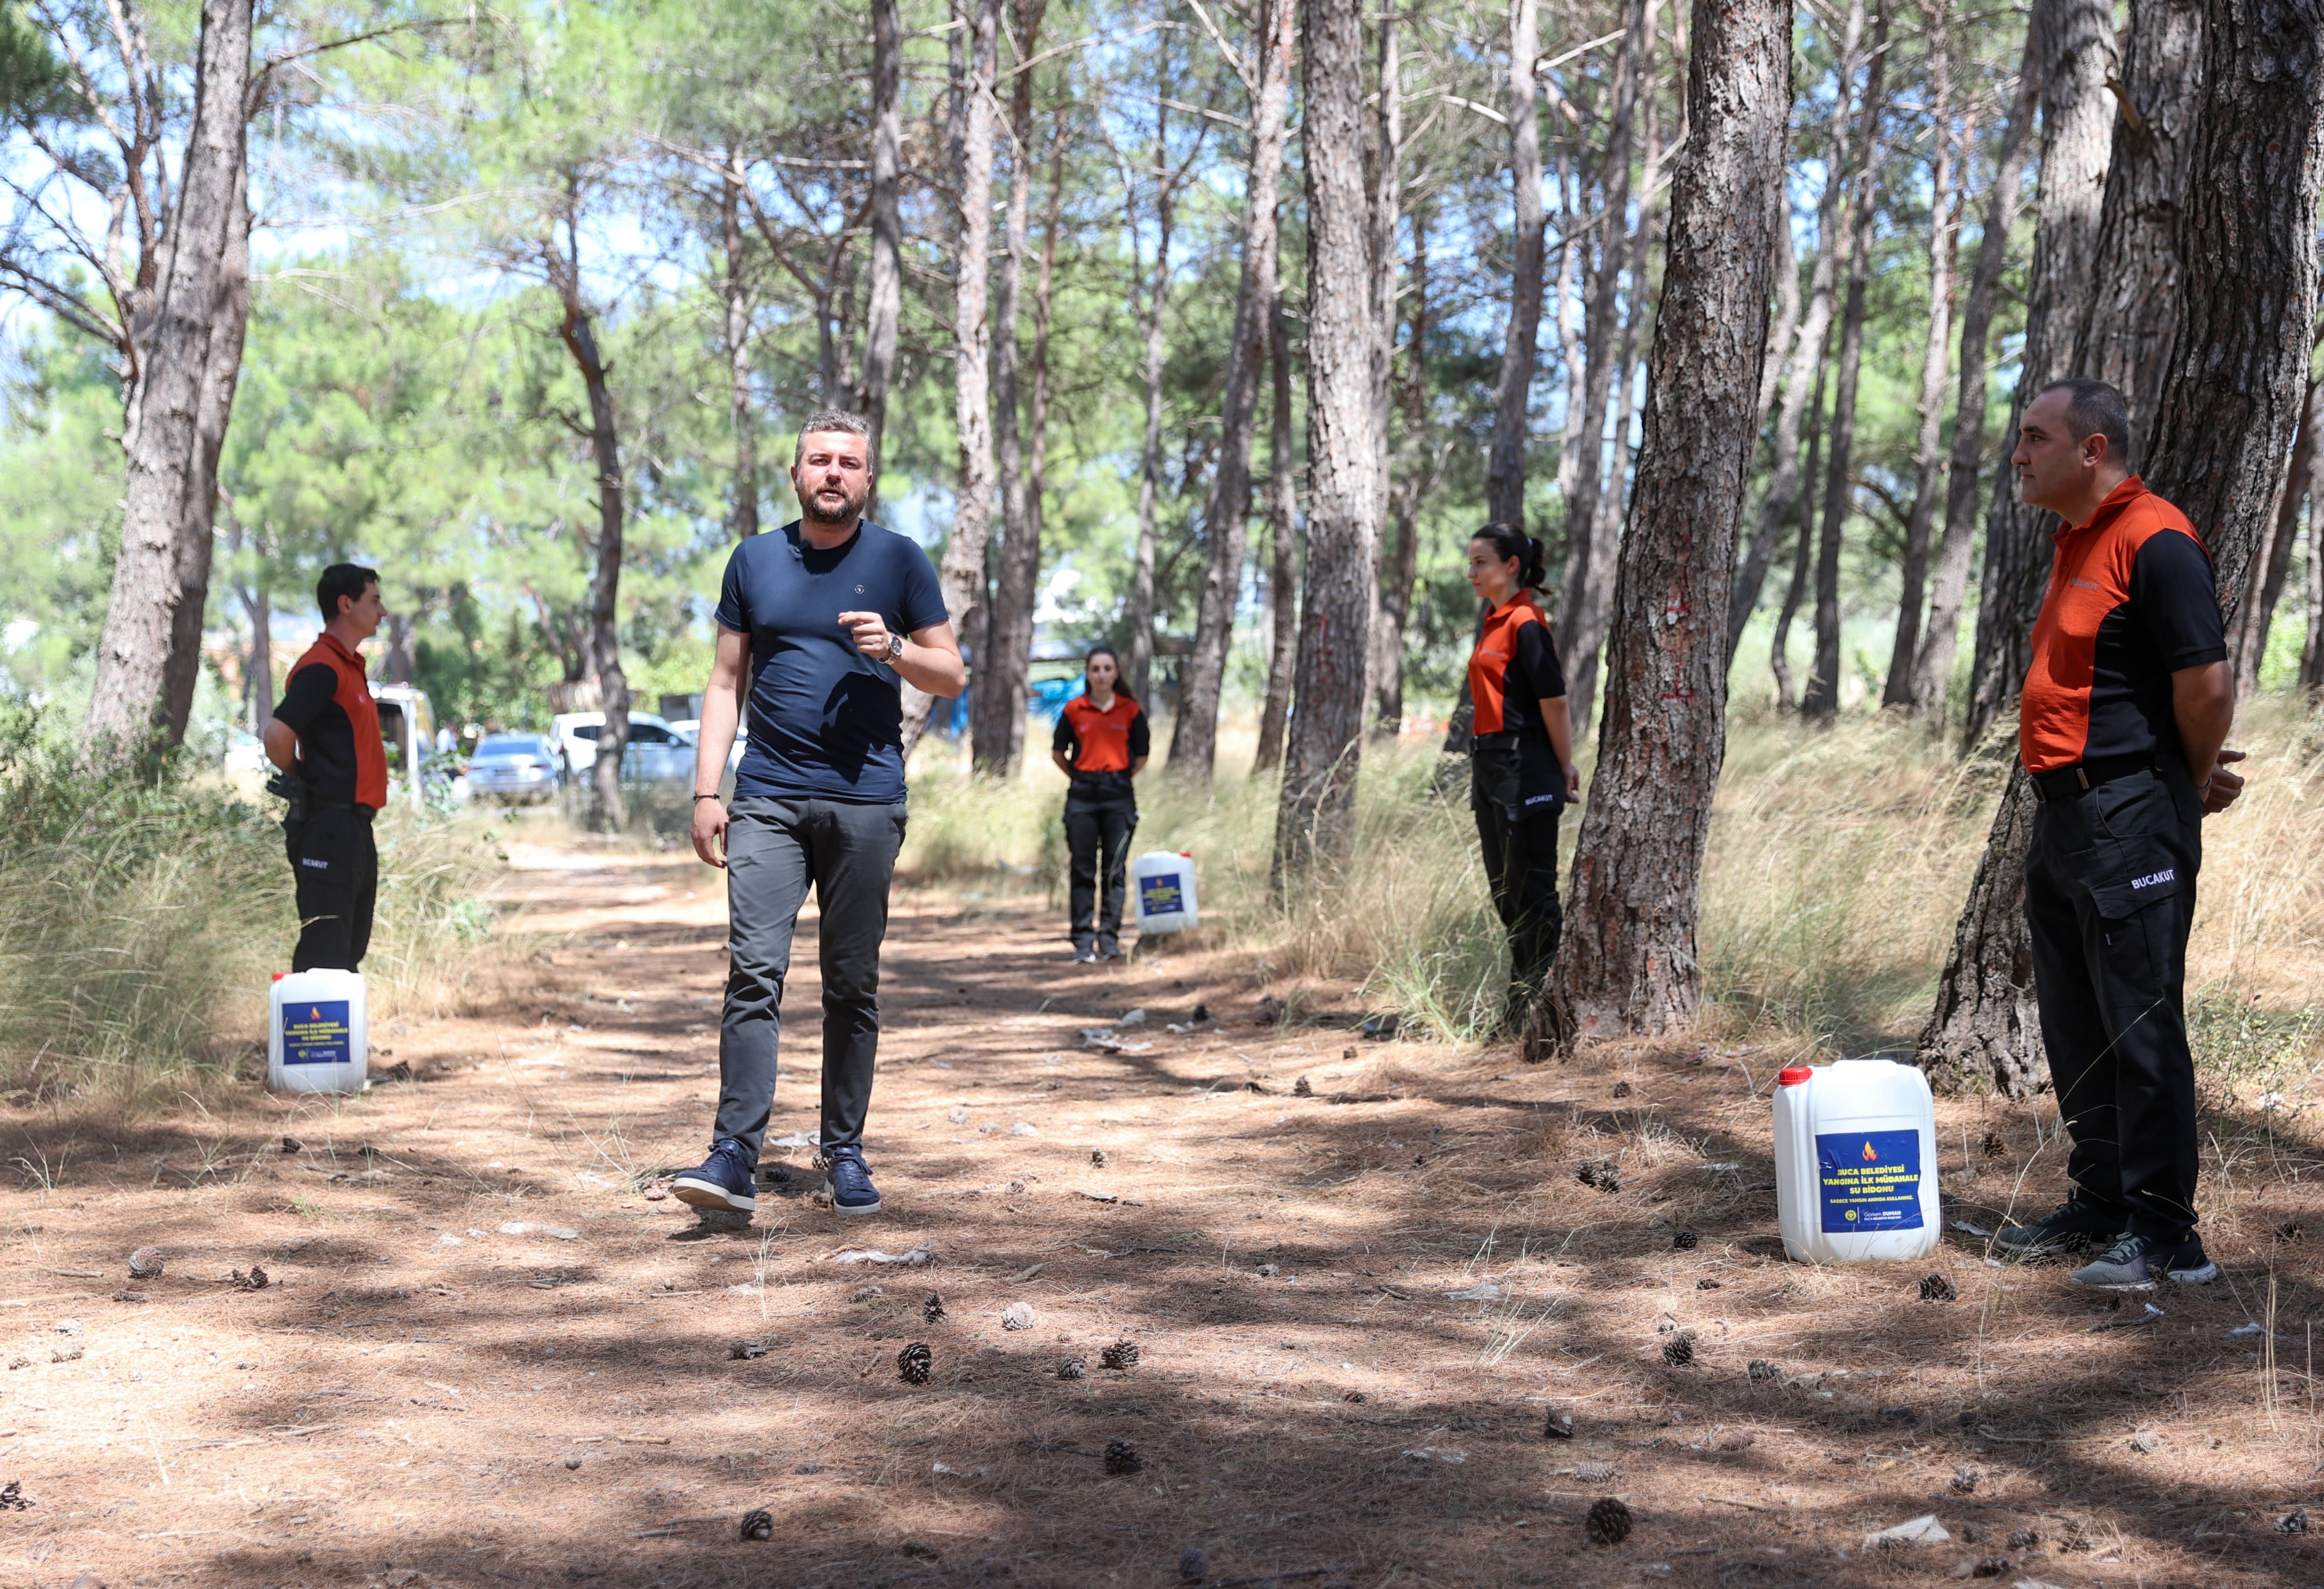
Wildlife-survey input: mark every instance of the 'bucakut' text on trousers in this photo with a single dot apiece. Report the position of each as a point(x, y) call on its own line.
point(2109, 896)
point(775, 848)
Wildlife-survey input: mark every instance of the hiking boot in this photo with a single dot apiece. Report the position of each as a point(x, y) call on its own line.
point(848, 1183)
point(2076, 1225)
point(2132, 1263)
point(724, 1181)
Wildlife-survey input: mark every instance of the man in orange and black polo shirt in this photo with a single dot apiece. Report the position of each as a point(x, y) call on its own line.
point(326, 735)
point(2125, 711)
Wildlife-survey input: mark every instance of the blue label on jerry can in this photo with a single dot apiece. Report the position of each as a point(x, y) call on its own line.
point(1160, 896)
point(315, 1032)
point(1869, 1181)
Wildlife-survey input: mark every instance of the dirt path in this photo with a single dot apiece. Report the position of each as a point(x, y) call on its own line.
point(486, 1355)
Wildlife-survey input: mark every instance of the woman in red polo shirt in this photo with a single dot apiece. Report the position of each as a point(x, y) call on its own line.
point(1100, 744)
point(1521, 754)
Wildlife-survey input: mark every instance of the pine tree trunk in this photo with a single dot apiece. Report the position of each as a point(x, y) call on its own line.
point(1783, 497)
point(1932, 669)
point(742, 512)
point(2312, 652)
point(1282, 516)
point(261, 659)
point(2077, 116)
point(1751, 577)
point(1627, 960)
point(1820, 700)
point(2122, 335)
point(961, 575)
point(1803, 540)
point(578, 331)
point(1929, 458)
point(148, 653)
point(1137, 610)
point(1194, 739)
point(2244, 246)
point(883, 309)
point(1577, 597)
point(1315, 821)
point(1399, 562)
point(2272, 566)
point(1386, 207)
point(997, 708)
point(1504, 470)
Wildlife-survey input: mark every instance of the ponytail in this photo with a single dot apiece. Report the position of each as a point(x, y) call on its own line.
point(1508, 542)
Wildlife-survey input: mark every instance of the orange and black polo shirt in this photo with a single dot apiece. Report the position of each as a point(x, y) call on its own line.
point(1514, 669)
point(328, 705)
point(2130, 602)
point(1102, 746)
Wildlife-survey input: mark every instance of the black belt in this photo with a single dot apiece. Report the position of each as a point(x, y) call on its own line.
point(2071, 783)
point(1501, 740)
point(341, 805)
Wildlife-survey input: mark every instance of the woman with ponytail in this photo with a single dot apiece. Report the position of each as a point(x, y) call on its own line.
point(1101, 741)
point(1521, 754)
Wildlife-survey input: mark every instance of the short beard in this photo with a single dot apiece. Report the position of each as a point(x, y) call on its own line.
point(847, 515)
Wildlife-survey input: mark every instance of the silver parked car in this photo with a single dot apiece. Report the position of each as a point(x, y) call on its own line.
point(514, 768)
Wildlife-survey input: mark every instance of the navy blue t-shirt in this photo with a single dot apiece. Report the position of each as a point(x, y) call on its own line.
point(827, 722)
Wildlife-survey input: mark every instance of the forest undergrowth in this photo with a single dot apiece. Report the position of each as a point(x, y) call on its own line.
point(1838, 862)
point(140, 917)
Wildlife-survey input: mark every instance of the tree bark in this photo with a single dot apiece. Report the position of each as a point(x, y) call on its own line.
point(1195, 738)
point(2122, 335)
point(1932, 669)
point(743, 514)
point(1137, 611)
point(1282, 516)
point(2077, 113)
point(1820, 700)
point(148, 651)
point(2272, 565)
point(883, 309)
point(1803, 540)
point(1929, 458)
point(2245, 242)
point(961, 576)
point(1776, 508)
point(1627, 961)
point(997, 707)
point(1385, 213)
point(1504, 471)
point(1751, 575)
point(1315, 820)
point(1399, 562)
point(1578, 599)
point(2311, 653)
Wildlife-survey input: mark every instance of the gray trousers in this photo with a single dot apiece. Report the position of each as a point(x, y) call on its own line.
point(774, 849)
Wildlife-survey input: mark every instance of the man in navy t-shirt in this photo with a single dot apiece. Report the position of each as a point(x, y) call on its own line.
point(812, 622)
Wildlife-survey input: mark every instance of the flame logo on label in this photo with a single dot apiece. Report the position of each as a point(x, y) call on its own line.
point(1869, 1156)
point(315, 1014)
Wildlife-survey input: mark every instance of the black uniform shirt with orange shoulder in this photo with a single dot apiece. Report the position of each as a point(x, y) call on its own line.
point(1514, 669)
point(2130, 602)
point(1102, 746)
point(328, 706)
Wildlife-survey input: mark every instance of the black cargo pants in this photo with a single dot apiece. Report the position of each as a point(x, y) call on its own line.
point(2109, 896)
point(775, 848)
point(335, 865)
point(1521, 870)
point(1098, 830)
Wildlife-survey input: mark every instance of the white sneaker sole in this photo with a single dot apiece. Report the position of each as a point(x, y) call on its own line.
point(702, 1194)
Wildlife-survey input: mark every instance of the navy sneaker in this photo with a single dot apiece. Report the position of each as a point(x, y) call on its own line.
point(724, 1181)
point(2132, 1263)
point(2078, 1224)
point(848, 1183)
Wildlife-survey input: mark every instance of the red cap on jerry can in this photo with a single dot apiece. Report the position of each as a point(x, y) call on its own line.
point(279, 976)
point(1793, 1075)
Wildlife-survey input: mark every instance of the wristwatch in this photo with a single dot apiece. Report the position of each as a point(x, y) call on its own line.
point(895, 649)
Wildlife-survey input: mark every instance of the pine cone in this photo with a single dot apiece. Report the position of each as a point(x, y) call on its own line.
point(1679, 1350)
point(1609, 1522)
point(1708, 1284)
point(1587, 1174)
point(1097, 1156)
point(758, 1524)
point(1121, 1355)
point(1965, 1481)
point(12, 1497)
point(1300, 1089)
point(933, 1308)
point(1122, 1457)
point(1937, 1288)
point(146, 1263)
point(1993, 1145)
point(1684, 1242)
point(914, 1363)
point(1193, 1566)
point(1070, 1368)
point(1761, 1370)
point(255, 1280)
point(1621, 1089)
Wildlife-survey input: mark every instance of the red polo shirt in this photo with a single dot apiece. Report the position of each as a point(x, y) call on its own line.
point(328, 705)
point(1515, 668)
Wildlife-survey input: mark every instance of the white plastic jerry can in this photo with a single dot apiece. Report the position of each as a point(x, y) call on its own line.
point(1856, 1162)
point(1162, 891)
point(318, 1032)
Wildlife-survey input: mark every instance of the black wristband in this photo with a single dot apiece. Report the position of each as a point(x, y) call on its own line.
point(707, 797)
